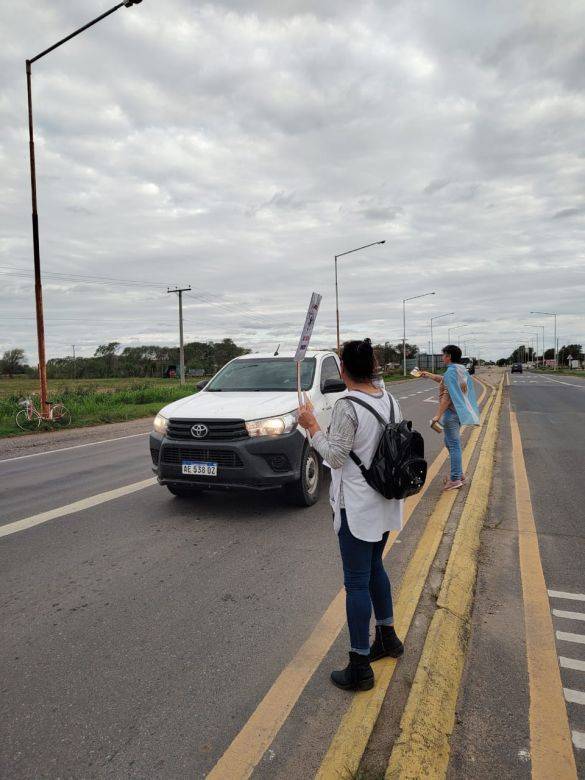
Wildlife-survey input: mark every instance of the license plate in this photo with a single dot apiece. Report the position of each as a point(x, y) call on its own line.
point(196, 468)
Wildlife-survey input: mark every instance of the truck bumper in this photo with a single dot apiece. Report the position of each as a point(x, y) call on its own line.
point(258, 463)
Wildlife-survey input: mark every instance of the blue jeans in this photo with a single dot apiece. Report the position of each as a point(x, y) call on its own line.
point(366, 583)
point(452, 432)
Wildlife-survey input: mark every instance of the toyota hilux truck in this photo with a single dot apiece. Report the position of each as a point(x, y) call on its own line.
point(241, 430)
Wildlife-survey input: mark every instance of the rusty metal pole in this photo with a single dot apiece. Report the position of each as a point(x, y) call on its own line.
point(36, 252)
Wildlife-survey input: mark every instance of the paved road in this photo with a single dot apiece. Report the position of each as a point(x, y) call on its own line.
point(492, 736)
point(551, 416)
point(139, 634)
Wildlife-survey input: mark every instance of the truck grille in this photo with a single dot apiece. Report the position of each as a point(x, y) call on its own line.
point(217, 429)
point(228, 458)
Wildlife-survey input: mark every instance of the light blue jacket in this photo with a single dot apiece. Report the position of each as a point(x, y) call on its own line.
point(462, 393)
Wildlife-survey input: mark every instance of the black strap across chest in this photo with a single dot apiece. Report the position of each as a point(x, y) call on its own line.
point(371, 409)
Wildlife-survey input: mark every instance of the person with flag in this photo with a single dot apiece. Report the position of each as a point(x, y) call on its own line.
point(457, 407)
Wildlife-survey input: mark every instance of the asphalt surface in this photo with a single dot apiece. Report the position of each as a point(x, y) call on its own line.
point(139, 635)
point(492, 733)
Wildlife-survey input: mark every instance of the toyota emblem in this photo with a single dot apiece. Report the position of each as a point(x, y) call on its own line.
point(199, 431)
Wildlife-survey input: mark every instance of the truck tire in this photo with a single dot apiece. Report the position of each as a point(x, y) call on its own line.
point(305, 491)
point(184, 491)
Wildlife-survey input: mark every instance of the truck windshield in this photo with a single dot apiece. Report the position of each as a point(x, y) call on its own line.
point(264, 374)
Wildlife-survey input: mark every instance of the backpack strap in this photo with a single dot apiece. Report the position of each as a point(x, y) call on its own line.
point(378, 416)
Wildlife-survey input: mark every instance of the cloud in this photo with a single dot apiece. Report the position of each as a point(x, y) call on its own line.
point(239, 149)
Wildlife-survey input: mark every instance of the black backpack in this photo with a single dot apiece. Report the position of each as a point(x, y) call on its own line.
point(398, 468)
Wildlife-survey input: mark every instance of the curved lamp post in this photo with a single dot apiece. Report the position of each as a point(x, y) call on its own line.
point(438, 317)
point(35, 215)
point(342, 254)
point(412, 298)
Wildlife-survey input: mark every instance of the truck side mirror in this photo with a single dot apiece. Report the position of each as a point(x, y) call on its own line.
point(332, 386)
point(201, 385)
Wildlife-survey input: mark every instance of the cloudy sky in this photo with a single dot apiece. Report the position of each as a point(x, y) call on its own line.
point(238, 148)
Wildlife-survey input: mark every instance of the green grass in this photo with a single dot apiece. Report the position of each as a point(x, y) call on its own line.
point(92, 402)
point(396, 377)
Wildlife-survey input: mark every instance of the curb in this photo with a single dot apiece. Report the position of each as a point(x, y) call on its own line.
point(350, 741)
point(423, 747)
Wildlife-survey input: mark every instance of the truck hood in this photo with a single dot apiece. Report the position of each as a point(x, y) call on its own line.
point(226, 405)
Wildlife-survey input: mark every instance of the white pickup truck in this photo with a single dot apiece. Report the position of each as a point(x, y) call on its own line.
point(241, 432)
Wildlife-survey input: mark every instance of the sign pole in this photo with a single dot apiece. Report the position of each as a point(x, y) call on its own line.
point(305, 338)
point(299, 384)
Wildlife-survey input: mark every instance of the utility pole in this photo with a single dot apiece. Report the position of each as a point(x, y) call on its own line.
point(73, 345)
point(180, 291)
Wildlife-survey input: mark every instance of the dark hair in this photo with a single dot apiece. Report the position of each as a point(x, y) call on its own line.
point(454, 352)
point(358, 359)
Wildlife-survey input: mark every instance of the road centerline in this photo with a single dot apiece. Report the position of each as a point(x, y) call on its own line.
point(76, 506)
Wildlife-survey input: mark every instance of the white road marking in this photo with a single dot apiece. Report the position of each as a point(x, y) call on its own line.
point(572, 663)
point(565, 636)
point(559, 594)
point(570, 615)
point(560, 382)
point(76, 506)
point(73, 447)
point(578, 739)
point(575, 697)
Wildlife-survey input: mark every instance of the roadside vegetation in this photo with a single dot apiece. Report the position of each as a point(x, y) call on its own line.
point(91, 402)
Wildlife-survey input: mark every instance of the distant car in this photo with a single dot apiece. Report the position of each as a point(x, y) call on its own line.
point(516, 368)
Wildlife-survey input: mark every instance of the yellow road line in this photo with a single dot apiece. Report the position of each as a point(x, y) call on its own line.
point(76, 506)
point(254, 739)
point(550, 737)
point(349, 743)
point(423, 746)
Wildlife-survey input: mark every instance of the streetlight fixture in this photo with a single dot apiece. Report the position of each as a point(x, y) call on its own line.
point(549, 314)
point(456, 327)
point(35, 215)
point(342, 254)
point(438, 317)
point(412, 298)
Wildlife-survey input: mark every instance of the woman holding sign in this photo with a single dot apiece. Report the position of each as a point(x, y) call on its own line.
point(362, 516)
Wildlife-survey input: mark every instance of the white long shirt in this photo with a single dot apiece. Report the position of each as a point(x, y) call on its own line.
point(369, 514)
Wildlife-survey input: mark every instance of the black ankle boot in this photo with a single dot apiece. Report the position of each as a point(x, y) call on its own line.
point(386, 643)
point(358, 675)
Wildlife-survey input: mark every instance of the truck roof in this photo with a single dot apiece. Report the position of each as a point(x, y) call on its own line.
point(286, 354)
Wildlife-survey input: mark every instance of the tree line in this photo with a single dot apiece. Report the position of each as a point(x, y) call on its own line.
point(113, 360)
point(527, 354)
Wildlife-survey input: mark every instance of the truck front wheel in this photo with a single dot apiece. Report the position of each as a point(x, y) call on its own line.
point(305, 491)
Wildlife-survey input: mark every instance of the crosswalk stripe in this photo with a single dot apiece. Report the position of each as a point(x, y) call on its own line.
point(579, 739)
point(569, 615)
point(572, 663)
point(560, 594)
point(565, 636)
point(575, 697)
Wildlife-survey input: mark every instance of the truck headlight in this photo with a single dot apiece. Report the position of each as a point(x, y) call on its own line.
point(160, 424)
point(273, 426)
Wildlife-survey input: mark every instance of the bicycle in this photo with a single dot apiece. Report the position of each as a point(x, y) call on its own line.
point(29, 418)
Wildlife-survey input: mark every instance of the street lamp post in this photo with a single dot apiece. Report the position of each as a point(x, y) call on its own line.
point(438, 317)
point(535, 335)
point(555, 346)
point(456, 327)
point(35, 215)
point(342, 254)
point(412, 298)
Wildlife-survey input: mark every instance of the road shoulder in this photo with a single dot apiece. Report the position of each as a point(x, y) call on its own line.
point(17, 446)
